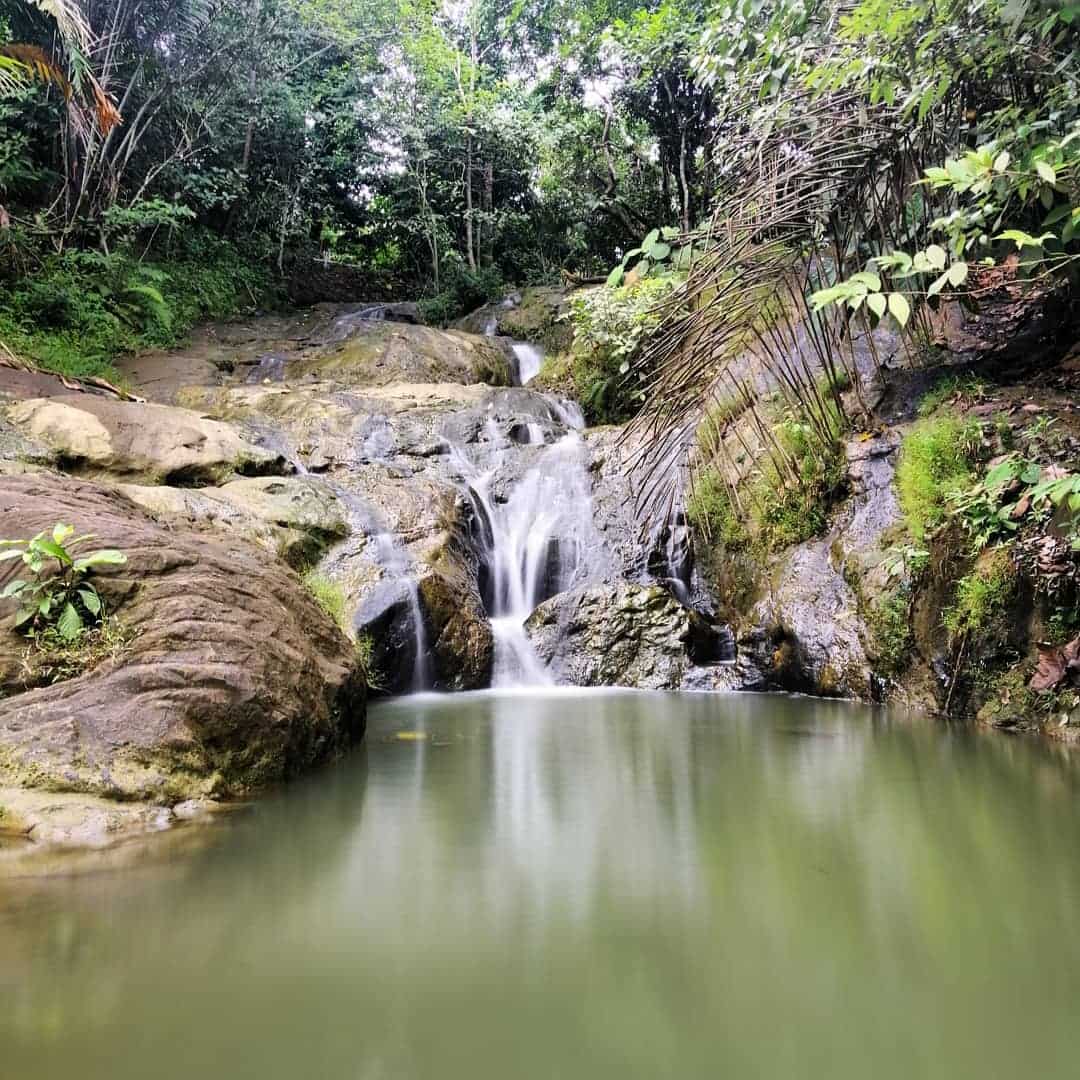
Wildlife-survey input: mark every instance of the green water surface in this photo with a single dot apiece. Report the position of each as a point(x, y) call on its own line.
point(582, 885)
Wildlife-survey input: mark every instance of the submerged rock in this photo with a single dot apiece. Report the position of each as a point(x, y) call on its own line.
point(228, 676)
point(621, 635)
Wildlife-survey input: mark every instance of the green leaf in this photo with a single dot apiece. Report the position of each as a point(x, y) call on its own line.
point(936, 256)
point(61, 532)
point(55, 550)
point(1001, 162)
point(4, 555)
point(864, 277)
point(938, 284)
point(651, 238)
point(1046, 171)
point(24, 615)
point(91, 599)
point(13, 588)
point(658, 252)
point(105, 557)
point(957, 273)
point(899, 308)
point(70, 623)
point(877, 304)
point(615, 277)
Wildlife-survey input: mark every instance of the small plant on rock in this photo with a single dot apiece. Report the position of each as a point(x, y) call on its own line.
point(56, 598)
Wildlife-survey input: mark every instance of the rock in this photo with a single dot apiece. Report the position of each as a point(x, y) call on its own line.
point(296, 517)
point(536, 314)
point(619, 635)
point(233, 678)
point(811, 618)
point(381, 353)
point(158, 443)
point(459, 633)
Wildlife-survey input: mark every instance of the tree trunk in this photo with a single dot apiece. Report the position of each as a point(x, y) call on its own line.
point(488, 204)
point(469, 250)
point(684, 183)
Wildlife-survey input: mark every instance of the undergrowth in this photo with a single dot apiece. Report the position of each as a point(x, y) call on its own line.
point(78, 311)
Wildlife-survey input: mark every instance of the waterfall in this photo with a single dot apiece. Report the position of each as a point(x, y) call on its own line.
point(538, 542)
point(529, 360)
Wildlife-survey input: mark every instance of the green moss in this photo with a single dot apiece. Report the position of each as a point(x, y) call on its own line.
point(983, 594)
point(935, 459)
point(330, 597)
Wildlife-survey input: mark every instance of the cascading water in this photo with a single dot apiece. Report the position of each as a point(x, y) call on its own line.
point(537, 542)
point(529, 361)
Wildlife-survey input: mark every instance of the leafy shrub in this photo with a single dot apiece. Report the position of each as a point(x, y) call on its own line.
point(610, 327)
point(893, 637)
point(82, 309)
point(56, 597)
point(935, 461)
point(463, 291)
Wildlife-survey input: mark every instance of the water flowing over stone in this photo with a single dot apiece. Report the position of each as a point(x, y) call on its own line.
point(529, 361)
point(538, 540)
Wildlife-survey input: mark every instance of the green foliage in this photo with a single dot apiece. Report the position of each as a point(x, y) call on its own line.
point(790, 509)
point(465, 290)
point(330, 597)
point(890, 625)
point(710, 510)
point(610, 325)
point(981, 595)
point(936, 460)
point(952, 388)
point(81, 310)
point(56, 597)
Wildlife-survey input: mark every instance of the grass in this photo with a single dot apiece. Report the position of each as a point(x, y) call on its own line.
point(330, 597)
point(936, 459)
point(50, 659)
point(949, 388)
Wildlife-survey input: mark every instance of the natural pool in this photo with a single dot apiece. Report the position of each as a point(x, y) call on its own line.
point(564, 885)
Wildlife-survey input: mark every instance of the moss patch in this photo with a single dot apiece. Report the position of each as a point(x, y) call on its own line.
point(936, 459)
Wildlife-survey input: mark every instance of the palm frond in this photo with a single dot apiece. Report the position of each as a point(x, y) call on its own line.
point(742, 306)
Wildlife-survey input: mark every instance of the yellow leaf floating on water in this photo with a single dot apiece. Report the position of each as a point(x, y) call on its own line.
point(411, 736)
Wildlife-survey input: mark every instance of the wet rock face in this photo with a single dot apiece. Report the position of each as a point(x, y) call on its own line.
point(233, 678)
point(536, 314)
point(811, 641)
point(621, 635)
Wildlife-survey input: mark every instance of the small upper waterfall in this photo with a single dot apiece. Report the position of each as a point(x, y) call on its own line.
point(536, 541)
point(529, 360)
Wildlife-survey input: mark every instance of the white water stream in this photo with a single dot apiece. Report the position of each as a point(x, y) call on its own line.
point(538, 541)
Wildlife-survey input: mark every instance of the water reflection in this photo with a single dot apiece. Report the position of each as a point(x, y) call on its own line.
point(584, 885)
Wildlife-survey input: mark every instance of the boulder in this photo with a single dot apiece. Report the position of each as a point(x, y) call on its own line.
point(379, 353)
point(293, 516)
point(620, 635)
point(811, 641)
point(159, 443)
point(536, 314)
point(229, 675)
